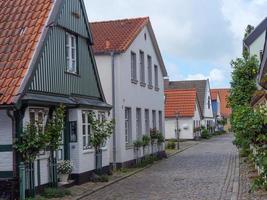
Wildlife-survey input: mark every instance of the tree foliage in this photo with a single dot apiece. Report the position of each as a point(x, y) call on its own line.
point(102, 130)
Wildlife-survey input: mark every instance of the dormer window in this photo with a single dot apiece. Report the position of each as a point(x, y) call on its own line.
point(71, 53)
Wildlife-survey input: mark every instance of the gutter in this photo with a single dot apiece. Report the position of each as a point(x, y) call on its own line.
point(113, 113)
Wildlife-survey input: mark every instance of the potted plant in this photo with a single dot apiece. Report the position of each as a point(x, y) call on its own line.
point(102, 130)
point(146, 141)
point(137, 144)
point(154, 136)
point(160, 140)
point(64, 169)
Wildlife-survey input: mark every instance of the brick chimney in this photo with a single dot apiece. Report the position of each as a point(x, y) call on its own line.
point(166, 82)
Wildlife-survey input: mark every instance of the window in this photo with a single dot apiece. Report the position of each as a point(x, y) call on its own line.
point(86, 129)
point(154, 119)
point(261, 54)
point(156, 77)
point(149, 65)
point(38, 117)
point(133, 66)
point(71, 53)
point(147, 121)
point(138, 123)
point(142, 67)
point(208, 102)
point(128, 125)
point(160, 122)
point(102, 117)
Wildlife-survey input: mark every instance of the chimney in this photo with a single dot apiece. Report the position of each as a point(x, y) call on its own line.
point(166, 82)
point(107, 44)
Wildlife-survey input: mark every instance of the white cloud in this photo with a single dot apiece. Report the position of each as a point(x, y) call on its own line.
point(216, 76)
point(207, 31)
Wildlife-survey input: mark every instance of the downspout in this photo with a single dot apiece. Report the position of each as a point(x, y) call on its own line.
point(13, 128)
point(113, 105)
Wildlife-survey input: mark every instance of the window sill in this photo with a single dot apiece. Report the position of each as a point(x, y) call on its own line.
point(72, 73)
point(150, 87)
point(87, 151)
point(143, 84)
point(134, 81)
point(156, 89)
point(129, 146)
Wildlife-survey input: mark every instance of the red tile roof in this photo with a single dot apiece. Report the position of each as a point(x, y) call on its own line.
point(223, 94)
point(181, 101)
point(116, 35)
point(21, 25)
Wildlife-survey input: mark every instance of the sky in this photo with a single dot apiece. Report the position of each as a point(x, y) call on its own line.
point(197, 38)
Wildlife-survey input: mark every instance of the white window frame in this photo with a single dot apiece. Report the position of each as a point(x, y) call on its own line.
point(86, 130)
point(154, 119)
point(156, 74)
point(138, 122)
point(133, 66)
point(149, 69)
point(71, 53)
point(160, 122)
point(147, 121)
point(142, 66)
point(128, 125)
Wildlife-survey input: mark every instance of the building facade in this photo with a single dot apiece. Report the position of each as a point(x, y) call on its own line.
point(182, 109)
point(45, 62)
point(202, 88)
point(131, 71)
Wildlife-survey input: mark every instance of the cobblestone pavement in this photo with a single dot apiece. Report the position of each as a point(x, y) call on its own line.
point(203, 172)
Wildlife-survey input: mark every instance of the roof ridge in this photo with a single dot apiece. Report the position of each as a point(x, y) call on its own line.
point(119, 20)
point(192, 89)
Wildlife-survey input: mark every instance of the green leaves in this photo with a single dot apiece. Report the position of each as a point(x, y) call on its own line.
point(32, 141)
point(102, 130)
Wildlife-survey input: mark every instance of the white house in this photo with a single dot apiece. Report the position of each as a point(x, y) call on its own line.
point(131, 71)
point(48, 61)
point(202, 88)
point(254, 42)
point(182, 109)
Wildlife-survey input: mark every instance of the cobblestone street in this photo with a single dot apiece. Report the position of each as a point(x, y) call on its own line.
point(205, 171)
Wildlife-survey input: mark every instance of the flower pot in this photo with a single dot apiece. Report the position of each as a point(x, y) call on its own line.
point(64, 178)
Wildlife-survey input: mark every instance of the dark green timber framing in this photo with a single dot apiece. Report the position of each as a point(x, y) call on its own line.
point(6, 174)
point(6, 148)
point(50, 74)
point(73, 17)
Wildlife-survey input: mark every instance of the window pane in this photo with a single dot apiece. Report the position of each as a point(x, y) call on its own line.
point(32, 117)
point(83, 117)
point(84, 141)
point(84, 130)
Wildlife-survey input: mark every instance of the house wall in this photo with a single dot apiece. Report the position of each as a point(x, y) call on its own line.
point(208, 113)
point(6, 141)
point(186, 126)
point(131, 95)
point(84, 160)
point(257, 45)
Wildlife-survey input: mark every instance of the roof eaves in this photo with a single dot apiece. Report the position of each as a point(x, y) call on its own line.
point(256, 32)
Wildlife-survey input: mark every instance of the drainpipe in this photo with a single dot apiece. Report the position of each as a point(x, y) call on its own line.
point(13, 128)
point(113, 113)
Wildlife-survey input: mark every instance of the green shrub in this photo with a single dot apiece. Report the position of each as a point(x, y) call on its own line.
point(55, 193)
point(146, 140)
point(170, 145)
point(138, 143)
point(205, 134)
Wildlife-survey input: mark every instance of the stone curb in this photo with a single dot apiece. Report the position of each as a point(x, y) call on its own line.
point(235, 191)
point(128, 175)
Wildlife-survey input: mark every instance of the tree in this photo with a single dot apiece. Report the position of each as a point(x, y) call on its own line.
point(102, 130)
